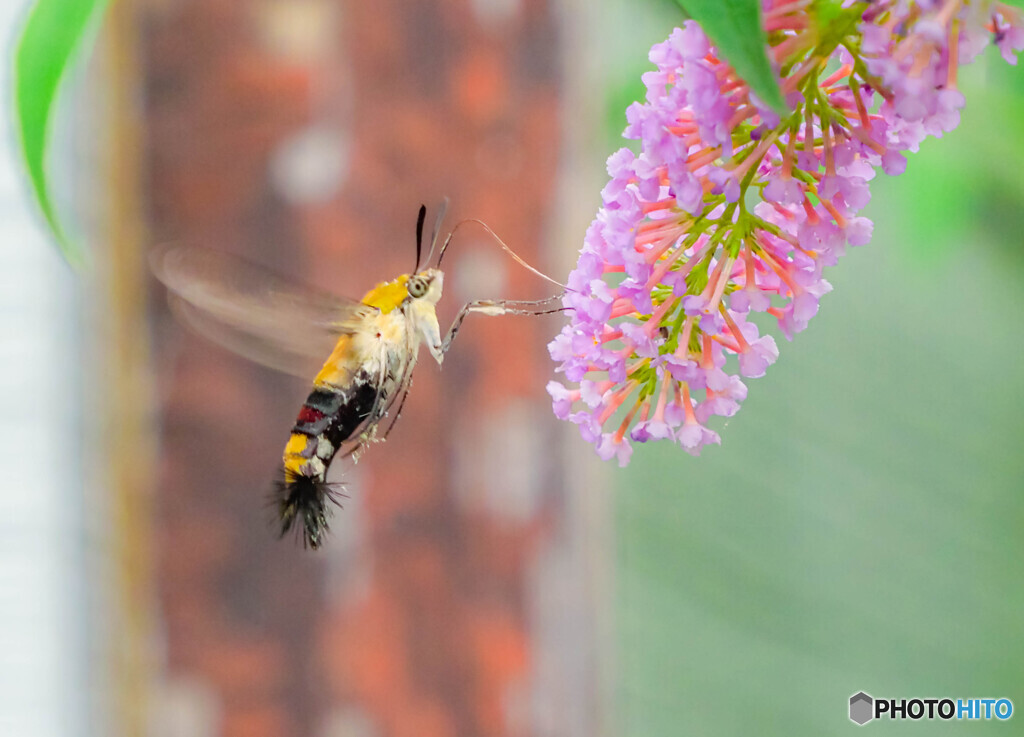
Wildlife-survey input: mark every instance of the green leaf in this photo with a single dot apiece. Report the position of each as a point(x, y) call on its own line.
point(43, 55)
point(1014, 3)
point(734, 27)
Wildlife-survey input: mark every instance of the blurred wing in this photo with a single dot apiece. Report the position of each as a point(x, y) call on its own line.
point(301, 357)
point(254, 312)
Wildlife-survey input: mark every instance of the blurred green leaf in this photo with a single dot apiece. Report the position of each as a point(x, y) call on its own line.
point(43, 55)
point(734, 26)
point(950, 201)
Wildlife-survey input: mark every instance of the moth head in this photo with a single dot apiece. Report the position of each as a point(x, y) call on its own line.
point(426, 285)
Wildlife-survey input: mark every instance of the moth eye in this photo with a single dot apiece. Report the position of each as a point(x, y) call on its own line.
point(417, 288)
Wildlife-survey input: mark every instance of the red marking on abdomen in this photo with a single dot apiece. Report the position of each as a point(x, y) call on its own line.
point(309, 414)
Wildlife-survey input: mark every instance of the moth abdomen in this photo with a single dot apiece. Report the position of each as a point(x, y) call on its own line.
point(329, 418)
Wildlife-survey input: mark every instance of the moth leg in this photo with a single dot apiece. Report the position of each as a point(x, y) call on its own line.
point(380, 402)
point(494, 307)
point(368, 434)
point(398, 412)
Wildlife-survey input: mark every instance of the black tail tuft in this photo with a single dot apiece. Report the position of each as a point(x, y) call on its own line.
point(308, 500)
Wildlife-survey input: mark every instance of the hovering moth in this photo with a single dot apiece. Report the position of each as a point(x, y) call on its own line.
point(371, 346)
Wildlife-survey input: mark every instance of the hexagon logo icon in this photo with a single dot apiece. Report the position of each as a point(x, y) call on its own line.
point(861, 708)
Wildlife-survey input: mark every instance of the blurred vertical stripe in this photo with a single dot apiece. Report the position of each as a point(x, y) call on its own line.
point(453, 598)
point(123, 430)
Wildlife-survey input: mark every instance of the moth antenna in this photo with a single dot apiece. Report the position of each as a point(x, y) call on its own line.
point(504, 247)
point(437, 229)
point(419, 237)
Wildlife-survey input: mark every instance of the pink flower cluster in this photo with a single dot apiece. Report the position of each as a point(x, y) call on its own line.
point(729, 210)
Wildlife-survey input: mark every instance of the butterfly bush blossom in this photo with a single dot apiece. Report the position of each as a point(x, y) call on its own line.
point(730, 210)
